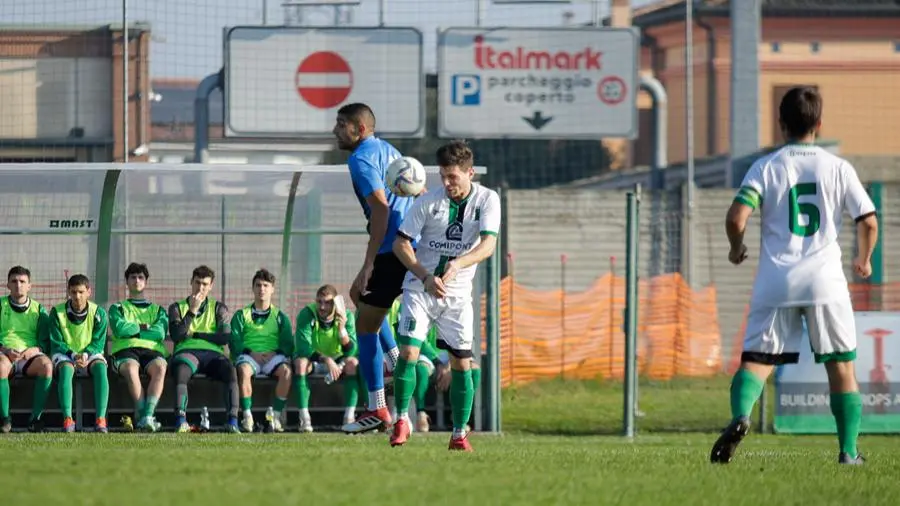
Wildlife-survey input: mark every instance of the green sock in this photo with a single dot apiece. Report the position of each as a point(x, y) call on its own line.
point(847, 410)
point(246, 403)
point(4, 398)
point(351, 391)
point(746, 388)
point(404, 385)
point(461, 396)
point(301, 387)
point(150, 405)
point(64, 389)
point(476, 379)
point(421, 390)
point(41, 392)
point(278, 404)
point(101, 388)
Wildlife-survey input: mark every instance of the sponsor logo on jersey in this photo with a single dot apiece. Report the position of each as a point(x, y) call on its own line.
point(454, 231)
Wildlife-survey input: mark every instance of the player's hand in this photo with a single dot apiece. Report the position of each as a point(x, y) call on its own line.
point(81, 360)
point(863, 268)
point(435, 286)
point(144, 326)
point(361, 281)
point(12, 354)
point(737, 256)
point(194, 302)
point(333, 370)
point(340, 320)
point(442, 381)
point(450, 271)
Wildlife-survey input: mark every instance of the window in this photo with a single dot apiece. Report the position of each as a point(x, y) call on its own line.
point(776, 47)
point(814, 47)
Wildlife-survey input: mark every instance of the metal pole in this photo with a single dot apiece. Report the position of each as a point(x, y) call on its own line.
point(660, 130)
point(382, 6)
point(689, 132)
point(562, 315)
point(265, 12)
point(201, 115)
point(492, 368)
point(631, 244)
point(125, 93)
point(479, 12)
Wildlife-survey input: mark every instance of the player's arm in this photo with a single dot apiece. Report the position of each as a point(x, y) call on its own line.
point(98, 336)
point(348, 338)
point(236, 342)
point(411, 228)
point(859, 205)
point(748, 198)
point(490, 227)
point(178, 326)
point(223, 326)
point(157, 330)
point(285, 335)
point(120, 325)
point(368, 179)
point(303, 342)
point(57, 341)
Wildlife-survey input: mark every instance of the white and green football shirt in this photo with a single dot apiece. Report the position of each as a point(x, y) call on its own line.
point(802, 191)
point(446, 230)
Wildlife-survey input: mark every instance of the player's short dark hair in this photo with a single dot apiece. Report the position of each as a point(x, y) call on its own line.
point(78, 280)
point(456, 153)
point(800, 111)
point(18, 270)
point(358, 113)
point(263, 275)
point(136, 268)
point(326, 290)
point(202, 272)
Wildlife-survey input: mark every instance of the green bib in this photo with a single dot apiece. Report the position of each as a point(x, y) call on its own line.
point(139, 316)
point(77, 336)
point(325, 341)
point(202, 324)
point(260, 337)
point(19, 330)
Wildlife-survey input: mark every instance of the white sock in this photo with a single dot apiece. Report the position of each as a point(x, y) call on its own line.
point(349, 413)
point(377, 400)
point(304, 414)
point(248, 413)
point(393, 355)
point(458, 433)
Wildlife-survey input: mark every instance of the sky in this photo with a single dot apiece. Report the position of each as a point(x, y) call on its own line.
point(187, 34)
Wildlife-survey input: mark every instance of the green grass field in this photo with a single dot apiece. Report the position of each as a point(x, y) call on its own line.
point(560, 446)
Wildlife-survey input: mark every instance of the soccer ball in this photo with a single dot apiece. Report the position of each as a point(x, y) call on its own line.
point(406, 177)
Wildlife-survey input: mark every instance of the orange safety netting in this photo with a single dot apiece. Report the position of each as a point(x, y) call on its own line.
point(547, 334)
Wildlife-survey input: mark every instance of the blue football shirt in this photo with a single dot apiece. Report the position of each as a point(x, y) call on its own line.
point(368, 170)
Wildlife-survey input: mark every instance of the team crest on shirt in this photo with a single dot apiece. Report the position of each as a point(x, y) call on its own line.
point(454, 232)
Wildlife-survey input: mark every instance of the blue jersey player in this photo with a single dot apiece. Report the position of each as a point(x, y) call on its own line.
point(380, 279)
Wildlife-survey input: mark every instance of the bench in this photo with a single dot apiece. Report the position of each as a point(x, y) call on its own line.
point(326, 403)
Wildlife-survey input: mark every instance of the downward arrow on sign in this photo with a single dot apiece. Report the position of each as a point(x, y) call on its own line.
point(537, 121)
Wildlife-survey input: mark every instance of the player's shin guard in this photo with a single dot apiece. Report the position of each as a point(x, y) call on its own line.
point(847, 410)
point(370, 363)
point(746, 388)
point(64, 392)
point(41, 392)
point(422, 379)
point(462, 394)
point(4, 398)
point(404, 386)
point(351, 392)
point(301, 391)
point(101, 387)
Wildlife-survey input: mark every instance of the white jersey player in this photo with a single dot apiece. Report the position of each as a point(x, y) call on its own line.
point(456, 227)
point(801, 191)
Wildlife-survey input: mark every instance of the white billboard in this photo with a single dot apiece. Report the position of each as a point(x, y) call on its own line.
point(290, 81)
point(538, 82)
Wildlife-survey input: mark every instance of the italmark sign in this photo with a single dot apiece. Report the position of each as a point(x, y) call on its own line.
point(542, 82)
